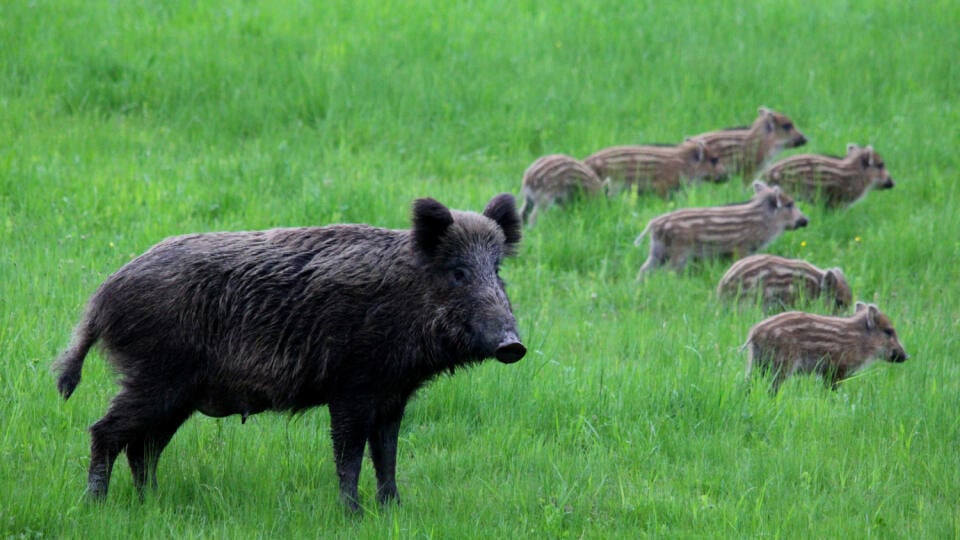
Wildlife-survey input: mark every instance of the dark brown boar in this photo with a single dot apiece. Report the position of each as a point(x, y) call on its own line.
point(350, 316)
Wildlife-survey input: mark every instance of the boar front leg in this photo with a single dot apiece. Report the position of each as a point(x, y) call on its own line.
point(350, 424)
point(383, 449)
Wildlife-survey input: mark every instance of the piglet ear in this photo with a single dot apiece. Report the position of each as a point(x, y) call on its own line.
point(829, 281)
point(430, 220)
point(503, 210)
point(872, 314)
point(767, 119)
point(759, 186)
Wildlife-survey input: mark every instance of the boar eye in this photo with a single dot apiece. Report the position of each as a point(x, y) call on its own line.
point(880, 166)
point(788, 126)
point(714, 160)
point(888, 332)
point(459, 275)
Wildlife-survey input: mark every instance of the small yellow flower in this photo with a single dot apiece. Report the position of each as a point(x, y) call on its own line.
point(803, 243)
point(856, 239)
point(112, 244)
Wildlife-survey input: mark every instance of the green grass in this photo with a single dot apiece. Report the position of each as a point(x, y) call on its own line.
point(123, 123)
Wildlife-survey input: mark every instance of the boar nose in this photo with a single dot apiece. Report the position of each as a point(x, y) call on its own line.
point(888, 184)
point(800, 141)
point(900, 356)
point(510, 349)
point(802, 222)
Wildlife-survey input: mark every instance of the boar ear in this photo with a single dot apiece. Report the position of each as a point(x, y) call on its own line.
point(860, 306)
point(830, 279)
point(872, 314)
point(698, 154)
point(759, 185)
point(851, 148)
point(767, 114)
point(774, 198)
point(503, 210)
point(430, 220)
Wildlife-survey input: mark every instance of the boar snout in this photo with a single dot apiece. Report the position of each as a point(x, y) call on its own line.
point(887, 184)
point(899, 356)
point(799, 141)
point(800, 223)
point(510, 349)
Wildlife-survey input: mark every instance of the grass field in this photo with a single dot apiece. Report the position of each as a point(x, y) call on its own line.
point(125, 122)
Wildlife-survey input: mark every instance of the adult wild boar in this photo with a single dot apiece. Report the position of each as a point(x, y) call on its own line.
point(351, 316)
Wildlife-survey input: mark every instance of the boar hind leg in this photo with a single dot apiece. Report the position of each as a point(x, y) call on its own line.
point(141, 424)
point(143, 452)
point(383, 450)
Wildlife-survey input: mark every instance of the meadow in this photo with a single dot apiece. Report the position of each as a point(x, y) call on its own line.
point(122, 123)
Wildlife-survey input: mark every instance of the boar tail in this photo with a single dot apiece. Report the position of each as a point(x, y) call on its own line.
point(70, 363)
point(639, 239)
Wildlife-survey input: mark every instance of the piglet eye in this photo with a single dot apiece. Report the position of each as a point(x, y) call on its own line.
point(788, 126)
point(880, 166)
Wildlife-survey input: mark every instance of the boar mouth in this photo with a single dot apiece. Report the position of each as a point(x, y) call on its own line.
point(799, 141)
point(510, 352)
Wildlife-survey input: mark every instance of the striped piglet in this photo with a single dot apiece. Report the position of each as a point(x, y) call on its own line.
point(734, 230)
point(780, 282)
point(659, 169)
point(555, 179)
point(745, 150)
point(833, 347)
point(836, 181)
